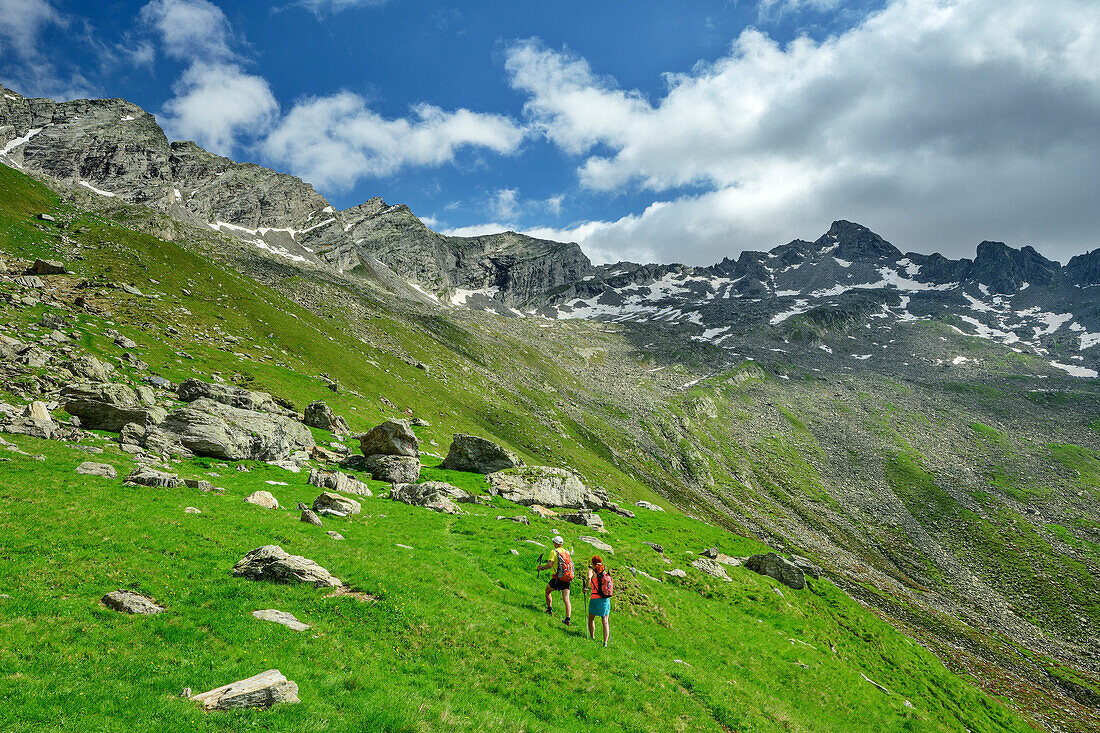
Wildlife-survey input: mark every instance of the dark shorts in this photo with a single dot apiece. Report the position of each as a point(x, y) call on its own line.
point(556, 584)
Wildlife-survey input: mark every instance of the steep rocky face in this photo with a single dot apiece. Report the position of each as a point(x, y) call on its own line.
point(1004, 269)
point(1084, 270)
point(109, 144)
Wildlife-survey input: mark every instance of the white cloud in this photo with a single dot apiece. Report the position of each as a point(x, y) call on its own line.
point(324, 7)
point(216, 103)
point(937, 122)
point(476, 230)
point(190, 29)
point(504, 203)
point(333, 141)
point(23, 66)
point(774, 8)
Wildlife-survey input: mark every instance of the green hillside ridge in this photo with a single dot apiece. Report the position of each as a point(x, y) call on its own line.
point(741, 451)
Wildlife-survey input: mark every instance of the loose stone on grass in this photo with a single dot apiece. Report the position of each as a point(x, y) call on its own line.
point(598, 544)
point(88, 468)
point(261, 691)
point(273, 563)
point(127, 601)
point(281, 617)
point(262, 498)
point(329, 503)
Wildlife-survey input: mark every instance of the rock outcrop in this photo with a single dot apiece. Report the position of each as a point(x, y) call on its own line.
point(227, 394)
point(546, 486)
point(209, 428)
point(478, 455)
point(107, 406)
point(781, 569)
point(127, 601)
point(88, 468)
point(438, 496)
point(275, 564)
point(391, 469)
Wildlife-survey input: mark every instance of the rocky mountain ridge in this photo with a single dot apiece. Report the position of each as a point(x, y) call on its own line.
point(797, 292)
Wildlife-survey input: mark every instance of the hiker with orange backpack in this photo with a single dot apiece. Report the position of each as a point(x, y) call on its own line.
point(599, 604)
point(562, 563)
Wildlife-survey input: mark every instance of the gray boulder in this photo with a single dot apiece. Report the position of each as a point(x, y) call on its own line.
point(598, 544)
point(228, 394)
point(391, 438)
point(649, 505)
point(710, 567)
point(145, 476)
point(335, 505)
point(781, 569)
point(391, 469)
point(34, 420)
point(47, 267)
point(585, 519)
point(106, 406)
point(543, 485)
point(88, 468)
point(806, 566)
point(341, 483)
point(87, 368)
point(310, 517)
point(438, 496)
point(209, 428)
point(275, 564)
point(262, 691)
point(478, 455)
point(320, 415)
point(127, 601)
point(262, 498)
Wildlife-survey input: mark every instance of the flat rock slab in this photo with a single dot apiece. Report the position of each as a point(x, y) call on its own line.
point(88, 468)
point(676, 573)
point(261, 691)
point(127, 601)
point(273, 563)
point(281, 617)
point(598, 544)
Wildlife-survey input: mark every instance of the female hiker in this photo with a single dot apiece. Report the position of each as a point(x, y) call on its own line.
point(599, 604)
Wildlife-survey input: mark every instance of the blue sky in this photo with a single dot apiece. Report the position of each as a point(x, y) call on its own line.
point(683, 131)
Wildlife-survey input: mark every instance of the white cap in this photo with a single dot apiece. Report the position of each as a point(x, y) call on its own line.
point(557, 540)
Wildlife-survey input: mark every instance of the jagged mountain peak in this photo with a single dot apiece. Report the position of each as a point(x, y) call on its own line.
point(855, 242)
point(1004, 269)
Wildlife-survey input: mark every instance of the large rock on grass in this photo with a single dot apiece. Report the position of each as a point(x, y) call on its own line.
point(34, 420)
point(710, 567)
point(478, 455)
point(320, 415)
point(262, 498)
point(127, 601)
point(145, 476)
point(106, 406)
point(228, 394)
point(391, 438)
point(438, 496)
point(335, 505)
point(88, 468)
point(585, 519)
point(544, 485)
point(275, 564)
point(209, 428)
point(262, 691)
point(774, 566)
point(341, 483)
point(391, 469)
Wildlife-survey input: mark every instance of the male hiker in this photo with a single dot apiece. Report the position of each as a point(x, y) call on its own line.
point(563, 575)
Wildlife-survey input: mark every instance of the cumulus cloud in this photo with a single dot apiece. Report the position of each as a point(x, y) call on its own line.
point(216, 103)
point(190, 29)
point(936, 122)
point(23, 66)
point(335, 140)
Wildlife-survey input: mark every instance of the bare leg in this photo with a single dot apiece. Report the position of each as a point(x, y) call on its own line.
point(549, 596)
point(591, 626)
point(568, 605)
point(606, 628)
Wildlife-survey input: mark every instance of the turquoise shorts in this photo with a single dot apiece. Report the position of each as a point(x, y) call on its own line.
point(599, 606)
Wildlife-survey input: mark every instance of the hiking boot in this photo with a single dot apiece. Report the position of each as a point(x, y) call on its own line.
point(550, 610)
point(567, 622)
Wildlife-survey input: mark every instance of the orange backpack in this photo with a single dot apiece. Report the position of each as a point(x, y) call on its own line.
point(564, 571)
